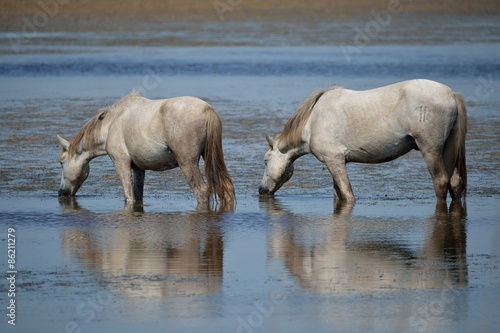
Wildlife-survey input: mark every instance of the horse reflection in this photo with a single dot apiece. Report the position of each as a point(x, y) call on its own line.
point(341, 253)
point(69, 204)
point(151, 255)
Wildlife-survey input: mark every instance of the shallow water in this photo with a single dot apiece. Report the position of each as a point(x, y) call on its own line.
point(277, 264)
point(394, 262)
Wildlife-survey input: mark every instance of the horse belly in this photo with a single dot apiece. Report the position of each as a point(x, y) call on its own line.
point(158, 158)
point(379, 152)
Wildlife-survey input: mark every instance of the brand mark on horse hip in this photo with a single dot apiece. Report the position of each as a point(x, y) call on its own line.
point(424, 113)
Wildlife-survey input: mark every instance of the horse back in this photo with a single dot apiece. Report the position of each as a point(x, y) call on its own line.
point(396, 106)
point(156, 133)
point(378, 125)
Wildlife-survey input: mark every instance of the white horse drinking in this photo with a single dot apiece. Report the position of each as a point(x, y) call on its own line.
point(141, 134)
point(340, 126)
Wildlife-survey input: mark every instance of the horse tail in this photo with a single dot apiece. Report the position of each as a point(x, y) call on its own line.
point(454, 152)
point(220, 185)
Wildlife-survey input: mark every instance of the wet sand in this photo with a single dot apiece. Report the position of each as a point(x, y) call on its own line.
point(32, 17)
point(77, 12)
point(28, 26)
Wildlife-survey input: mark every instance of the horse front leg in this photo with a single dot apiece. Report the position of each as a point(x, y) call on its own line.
point(342, 185)
point(124, 171)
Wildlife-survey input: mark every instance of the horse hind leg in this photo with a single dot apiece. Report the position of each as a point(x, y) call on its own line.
point(435, 163)
point(452, 159)
point(194, 178)
point(456, 185)
point(138, 182)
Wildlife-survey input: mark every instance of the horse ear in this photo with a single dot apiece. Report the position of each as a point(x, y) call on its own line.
point(102, 115)
point(64, 143)
point(270, 140)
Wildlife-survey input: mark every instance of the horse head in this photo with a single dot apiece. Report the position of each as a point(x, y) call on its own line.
point(278, 168)
point(75, 169)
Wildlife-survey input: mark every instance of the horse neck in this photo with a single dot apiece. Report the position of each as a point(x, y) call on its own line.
point(93, 151)
point(99, 148)
point(96, 145)
point(294, 151)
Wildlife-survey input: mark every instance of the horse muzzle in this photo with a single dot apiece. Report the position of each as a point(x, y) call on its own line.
point(264, 190)
point(64, 193)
